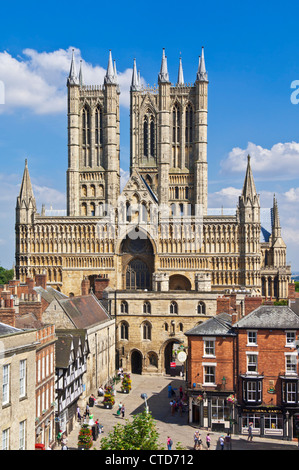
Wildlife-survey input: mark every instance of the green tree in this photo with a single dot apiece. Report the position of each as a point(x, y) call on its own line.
point(140, 434)
point(6, 275)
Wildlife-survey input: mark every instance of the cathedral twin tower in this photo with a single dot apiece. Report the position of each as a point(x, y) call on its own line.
point(168, 139)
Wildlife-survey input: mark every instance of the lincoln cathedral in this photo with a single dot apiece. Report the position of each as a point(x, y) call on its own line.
point(163, 259)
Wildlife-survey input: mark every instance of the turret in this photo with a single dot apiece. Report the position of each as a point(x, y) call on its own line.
point(73, 85)
point(163, 135)
point(111, 125)
point(201, 139)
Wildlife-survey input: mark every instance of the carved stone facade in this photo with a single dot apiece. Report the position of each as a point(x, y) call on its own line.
point(155, 241)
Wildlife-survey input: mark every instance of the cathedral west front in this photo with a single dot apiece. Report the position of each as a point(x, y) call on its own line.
point(164, 259)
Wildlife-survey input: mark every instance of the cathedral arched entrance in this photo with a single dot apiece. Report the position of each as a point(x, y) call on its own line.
point(179, 282)
point(168, 357)
point(136, 362)
point(137, 257)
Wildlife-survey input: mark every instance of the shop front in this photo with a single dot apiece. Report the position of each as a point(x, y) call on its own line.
point(212, 411)
point(265, 422)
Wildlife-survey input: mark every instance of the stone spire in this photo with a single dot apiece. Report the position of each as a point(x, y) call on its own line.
point(249, 190)
point(276, 228)
point(163, 75)
point(73, 78)
point(81, 80)
point(26, 191)
point(197, 75)
point(135, 82)
point(249, 201)
point(180, 74)
point(114, 71)
point(26, 205)
point(109, 77)
point(202, 75)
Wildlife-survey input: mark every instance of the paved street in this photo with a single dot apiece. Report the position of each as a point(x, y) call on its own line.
point(167, 425)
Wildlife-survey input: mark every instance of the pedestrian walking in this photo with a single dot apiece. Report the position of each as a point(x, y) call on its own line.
point(208, 441)
point(169, 391)
point(221, 442)
point(228, 441)
point(172, 405)
point(87, 409)
point(64, 442)
point(79, 417)
point(249, 438)
point(123, 411)
point(119, 409)
point(196, 438)
point(169, 443)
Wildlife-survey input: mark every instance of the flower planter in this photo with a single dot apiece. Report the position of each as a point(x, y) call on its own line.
point(126, 383)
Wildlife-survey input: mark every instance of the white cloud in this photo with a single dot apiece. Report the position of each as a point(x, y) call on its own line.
point(281, 162)
point(292, 195)
point(37, 80)
point(49, 197)
point(226, 197)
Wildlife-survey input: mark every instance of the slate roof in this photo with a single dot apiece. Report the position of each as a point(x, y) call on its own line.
point(8, 330)
point(294, 305)
point(84, 310)
point(49, 293)
point(220, 325)
point(270, 317)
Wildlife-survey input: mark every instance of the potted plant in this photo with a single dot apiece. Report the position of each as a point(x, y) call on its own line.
point(109, 399)
point(85, 438)
point(231, 399)
point(126, 383)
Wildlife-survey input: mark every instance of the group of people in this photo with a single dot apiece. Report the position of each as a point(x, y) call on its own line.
point(176, 406)
point(223, 442)
point(61, 438)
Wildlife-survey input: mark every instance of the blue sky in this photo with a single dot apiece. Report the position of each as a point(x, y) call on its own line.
point(251, 51)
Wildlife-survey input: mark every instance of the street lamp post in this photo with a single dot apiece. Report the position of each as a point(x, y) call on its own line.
point(144, 396)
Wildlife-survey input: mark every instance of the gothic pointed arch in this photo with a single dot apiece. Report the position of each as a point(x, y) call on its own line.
point(176, 135)
point(149, 135)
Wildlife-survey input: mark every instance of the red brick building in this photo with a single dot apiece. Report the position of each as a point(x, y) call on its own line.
point(251, 359)
point(21, 307)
